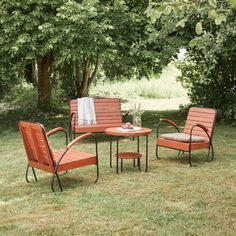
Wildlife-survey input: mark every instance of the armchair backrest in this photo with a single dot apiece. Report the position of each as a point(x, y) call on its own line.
point(36, 145)
point(203, 116)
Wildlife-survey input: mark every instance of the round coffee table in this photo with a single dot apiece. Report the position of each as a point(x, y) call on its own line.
point(118, 132)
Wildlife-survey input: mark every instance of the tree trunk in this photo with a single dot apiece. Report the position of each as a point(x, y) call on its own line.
point(35, 74)
point(82, 89)
point(31, 73)
point(87, 80)
point(44, 83)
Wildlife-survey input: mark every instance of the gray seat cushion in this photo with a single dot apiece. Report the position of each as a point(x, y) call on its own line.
point(182, 137)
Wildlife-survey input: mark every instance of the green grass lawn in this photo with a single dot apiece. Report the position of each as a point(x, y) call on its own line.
point(171, 199)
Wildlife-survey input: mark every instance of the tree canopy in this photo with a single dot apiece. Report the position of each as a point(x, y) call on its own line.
point(70, 41)
point(209, 71)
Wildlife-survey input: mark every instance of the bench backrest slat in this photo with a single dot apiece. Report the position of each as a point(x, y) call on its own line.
point(108, 114)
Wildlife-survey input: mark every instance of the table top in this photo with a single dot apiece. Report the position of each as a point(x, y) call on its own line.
point(117, 131)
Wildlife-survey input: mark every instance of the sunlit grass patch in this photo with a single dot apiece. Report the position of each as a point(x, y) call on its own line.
point(164, 87)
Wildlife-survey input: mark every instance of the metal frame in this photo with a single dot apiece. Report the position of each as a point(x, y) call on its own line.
point(117, 152)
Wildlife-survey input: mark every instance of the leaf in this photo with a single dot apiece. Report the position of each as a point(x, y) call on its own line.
point(181, 22)
point(213, 3)
point(232, 3)
point(212, 14)
point(155, 16)
point(193, 42)
point(167, 11)
point(221, 18)
point(198, 28)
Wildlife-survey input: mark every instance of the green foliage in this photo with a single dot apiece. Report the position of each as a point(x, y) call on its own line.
point(23, 97)
point(209, 71)
point(230, 114)
point(116, 32)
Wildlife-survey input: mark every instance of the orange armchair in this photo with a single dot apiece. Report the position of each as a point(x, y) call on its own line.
point(41, 156)
point(197, 133)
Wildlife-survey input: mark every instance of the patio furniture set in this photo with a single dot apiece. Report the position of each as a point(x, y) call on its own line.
point(197, 134)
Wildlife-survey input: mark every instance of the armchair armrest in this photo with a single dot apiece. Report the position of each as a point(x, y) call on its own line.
point(203, 127)
point(163, 119)
point(169, 121)
point(79, 139)
point(53, 131)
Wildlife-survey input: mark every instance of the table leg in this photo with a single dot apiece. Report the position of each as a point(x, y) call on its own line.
point(121, 168)
point(111, 151)
point(117, 151)
point(138, 152)
point(146, 153)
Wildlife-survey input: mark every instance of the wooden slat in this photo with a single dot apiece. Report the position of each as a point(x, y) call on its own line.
point(36, 145)
point(189, 125)
point(74, 159)
point(181, 145)
point(108, 114)
point(204, 116)
point(200, 119)
point(202, 110)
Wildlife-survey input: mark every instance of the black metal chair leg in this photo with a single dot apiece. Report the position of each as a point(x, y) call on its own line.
point(157, 152)
point(209, 152)
point(52, 183)
point(59, 182)
point(121, 165)
point(212, 152)
point(34, 174)
point(26, 174)
point(189, 158)
point(97, 174)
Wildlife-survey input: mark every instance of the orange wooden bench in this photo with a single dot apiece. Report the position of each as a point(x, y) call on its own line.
point(41, 156)
point(108, 115)
point(197, 133)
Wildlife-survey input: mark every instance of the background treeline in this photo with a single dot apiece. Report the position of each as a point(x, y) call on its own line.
point(59, 48)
